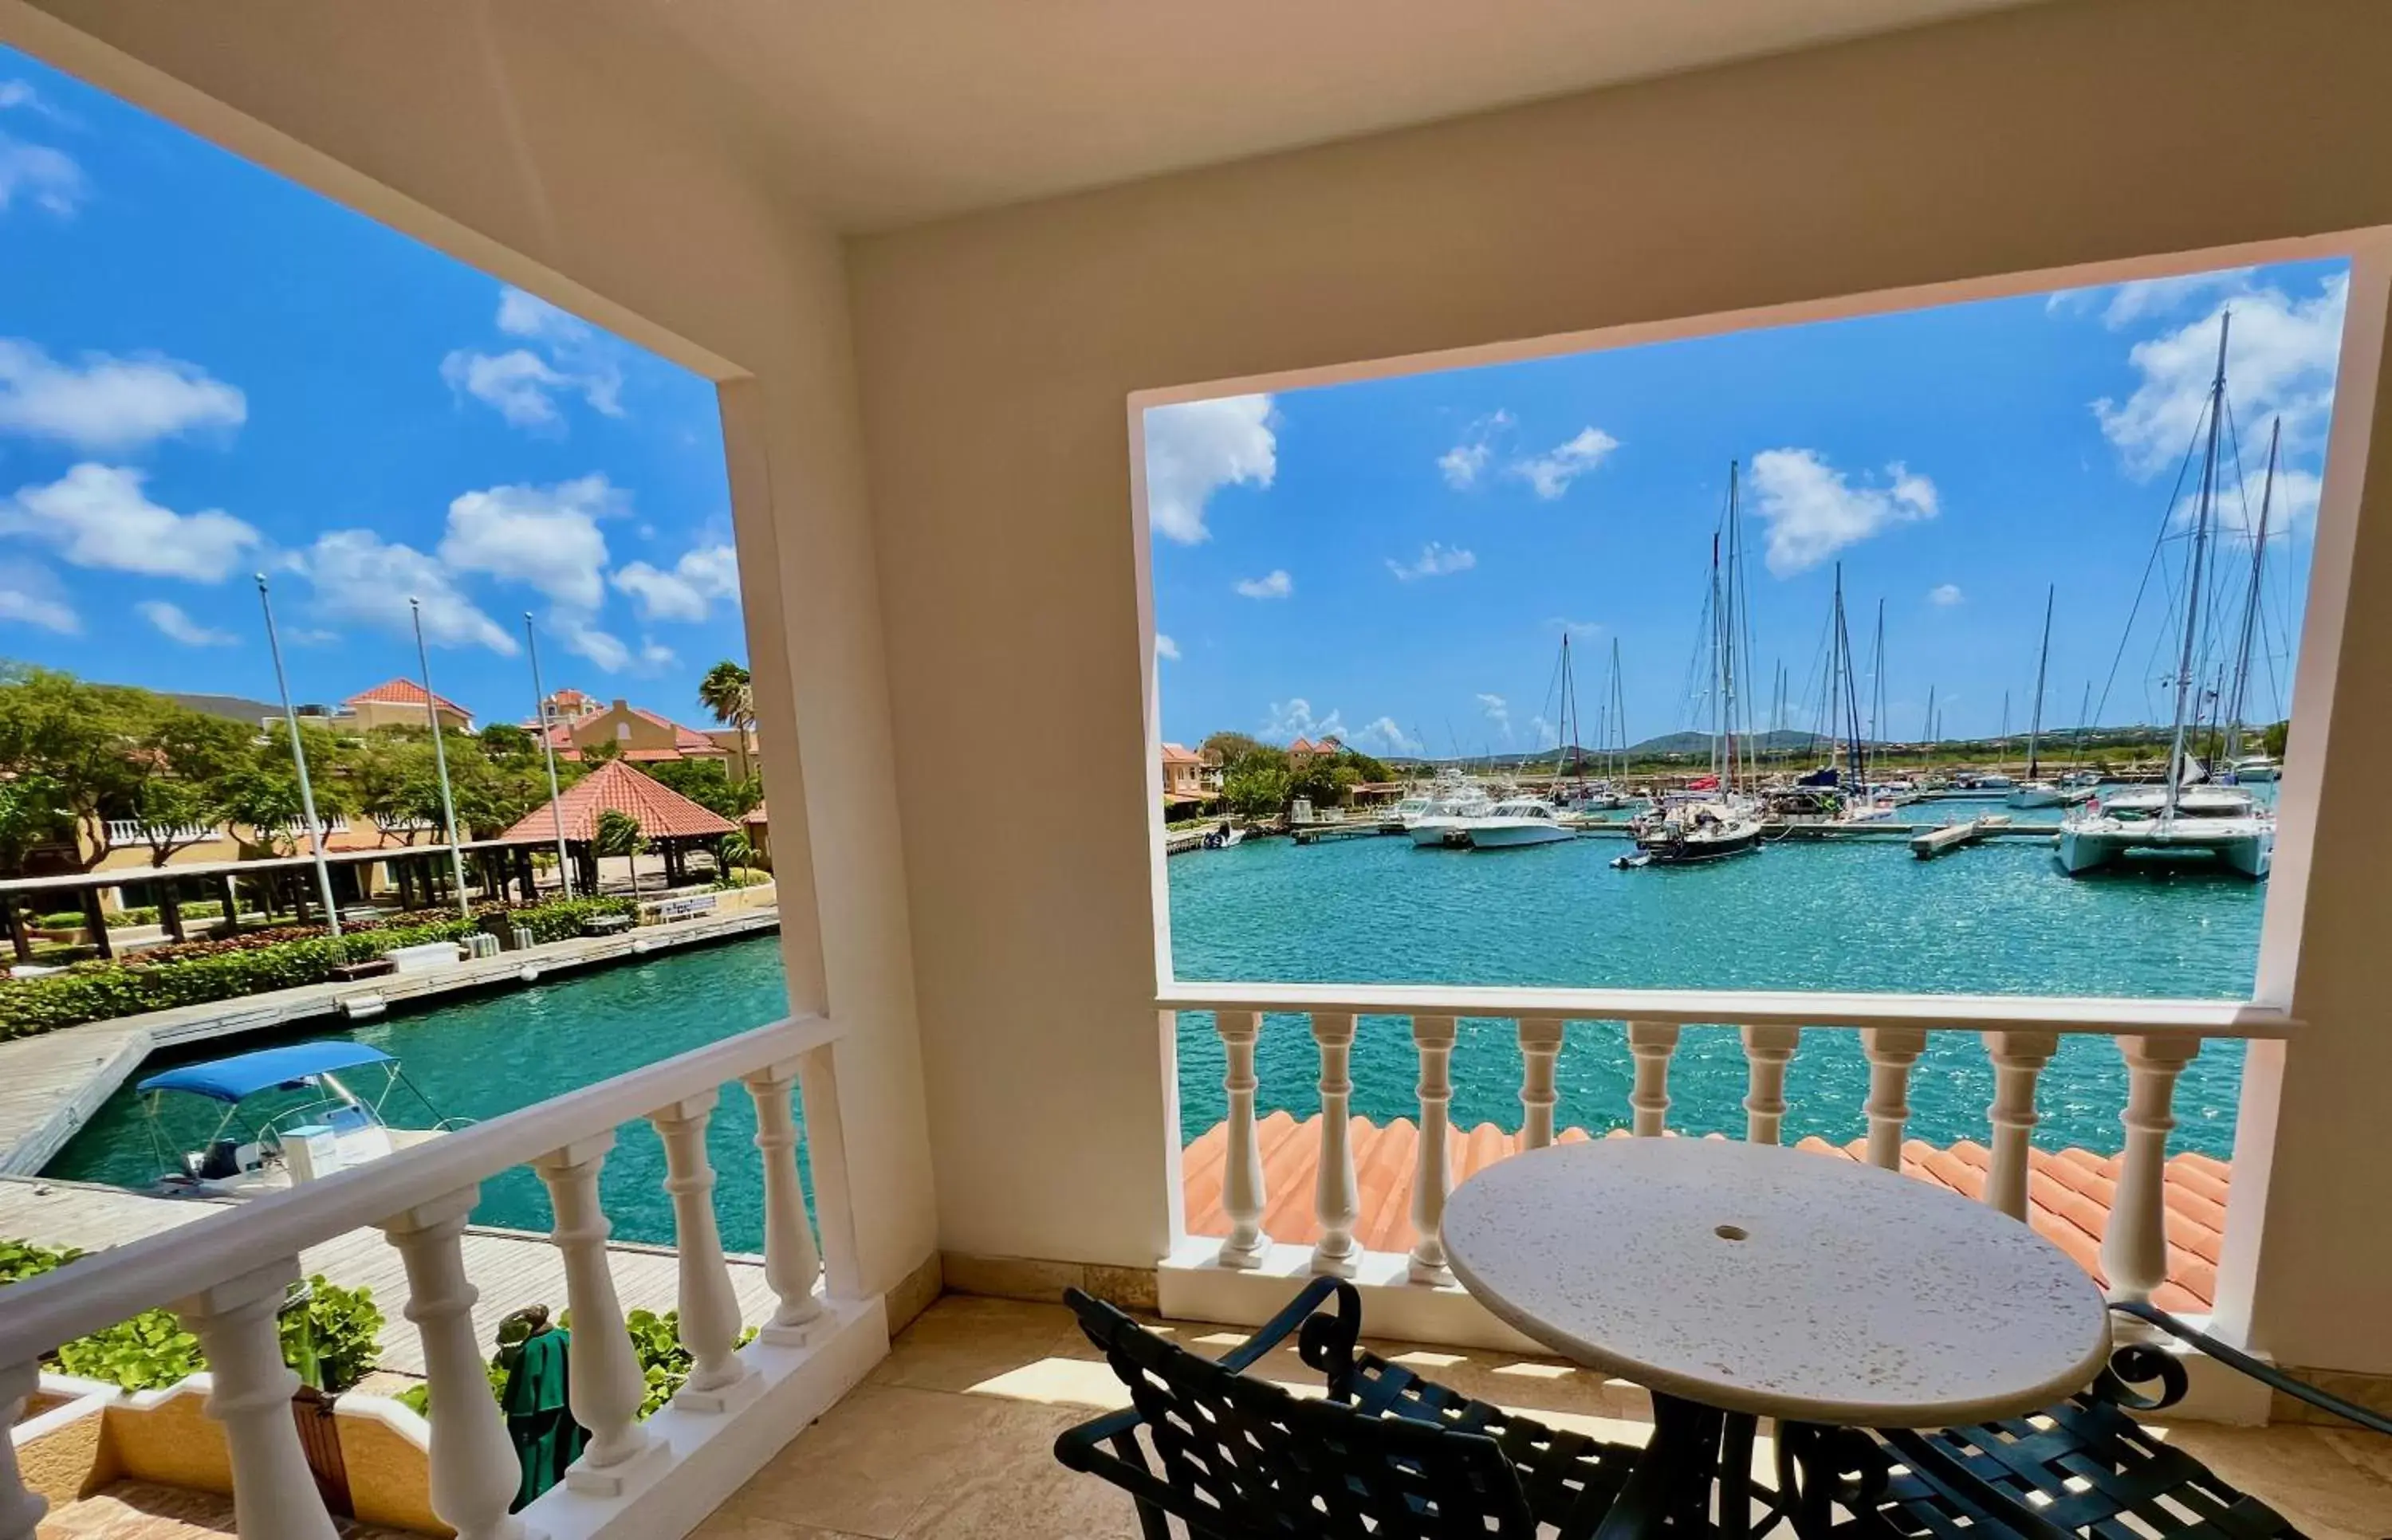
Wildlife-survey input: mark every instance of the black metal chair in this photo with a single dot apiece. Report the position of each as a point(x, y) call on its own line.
point(1386, 1455)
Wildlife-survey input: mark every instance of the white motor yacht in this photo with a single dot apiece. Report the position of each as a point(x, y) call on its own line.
point(2217, 824)
point(2255, 770)
point(1447, 815)
point(1509, 825)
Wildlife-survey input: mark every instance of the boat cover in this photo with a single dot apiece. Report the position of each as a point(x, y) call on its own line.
point(246, 1074)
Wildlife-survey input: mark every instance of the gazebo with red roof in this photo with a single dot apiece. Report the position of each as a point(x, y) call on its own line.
point(669, 822)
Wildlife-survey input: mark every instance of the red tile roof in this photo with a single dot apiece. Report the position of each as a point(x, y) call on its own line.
point(2069, 1191)
point(663, 812)
point(686, 741)
point(1179, 754)
point(403, 693)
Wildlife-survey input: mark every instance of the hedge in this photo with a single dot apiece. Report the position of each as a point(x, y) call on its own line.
point(198, 972)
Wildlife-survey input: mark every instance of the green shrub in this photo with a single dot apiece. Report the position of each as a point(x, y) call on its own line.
point(664, 1362)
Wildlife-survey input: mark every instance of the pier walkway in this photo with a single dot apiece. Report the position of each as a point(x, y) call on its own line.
point(51, 1083)
point(511, 1268)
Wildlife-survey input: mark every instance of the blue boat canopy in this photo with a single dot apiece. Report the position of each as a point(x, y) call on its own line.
point(247, 1074)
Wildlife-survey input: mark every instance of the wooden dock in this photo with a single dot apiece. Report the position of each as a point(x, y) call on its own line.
point(1314, 833)
point(1953, 836)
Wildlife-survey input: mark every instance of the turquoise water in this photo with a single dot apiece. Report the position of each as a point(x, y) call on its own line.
point(505, 1051)
point(1998, 918)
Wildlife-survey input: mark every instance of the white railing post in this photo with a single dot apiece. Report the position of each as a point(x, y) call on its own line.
point(605, 1383)
point(1890, 1051)
point(2018, 1058)
point(710, 1306)
point(1241, 1171)
point(2134, 1251)
point(1540, 1045)
point(474, 1472)
point(1336, 1195)
point(1650, 1043)
point(791, 1262)
point(21, 1511)
point(274, 1498)
point(1433, 1038)
point(1766, 1049)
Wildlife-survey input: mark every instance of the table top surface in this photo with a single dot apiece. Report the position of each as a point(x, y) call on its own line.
point(1777, 1282)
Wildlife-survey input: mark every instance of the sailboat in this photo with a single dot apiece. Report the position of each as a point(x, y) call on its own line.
point(1714, 816)
point(2184, 819)
point(2035, 791)
point(2242, 768)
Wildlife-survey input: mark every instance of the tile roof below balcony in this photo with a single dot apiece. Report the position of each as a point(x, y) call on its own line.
point(2069, 1191)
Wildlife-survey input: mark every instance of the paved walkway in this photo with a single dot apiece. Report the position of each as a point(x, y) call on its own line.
point(511, 1268)
point(51, 1083)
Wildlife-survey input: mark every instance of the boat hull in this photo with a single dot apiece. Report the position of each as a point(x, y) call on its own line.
point(2037, 797)
point(1513, 837)
point(1696, 850)
point(2244, 850)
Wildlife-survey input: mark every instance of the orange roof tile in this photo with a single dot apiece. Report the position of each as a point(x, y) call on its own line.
point(403, 693)
point(663, 812)
point(2067, 1192)
point(1178, 754)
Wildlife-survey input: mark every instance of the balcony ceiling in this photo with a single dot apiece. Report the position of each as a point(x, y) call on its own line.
point(907, 109)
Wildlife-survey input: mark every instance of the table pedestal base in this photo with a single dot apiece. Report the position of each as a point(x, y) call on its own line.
point(1696, 1478)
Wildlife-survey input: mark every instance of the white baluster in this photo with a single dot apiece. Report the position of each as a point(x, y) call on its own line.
point(710, 1306)
point(2018, 1058)
point(1650, 1043)
point(1540, 1045)
point(605, 1383)
point(1336, 1197)
point(791, 1262)
point(1890, 1051)
point(21, 1511)
point(475, 1471)
point(1766, 1049)
point(1433, 1039)
point(2134, 1252)
point(1242, 1170)
point(273, 1496)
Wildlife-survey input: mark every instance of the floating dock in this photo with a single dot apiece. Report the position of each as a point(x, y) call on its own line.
point(1951, 836)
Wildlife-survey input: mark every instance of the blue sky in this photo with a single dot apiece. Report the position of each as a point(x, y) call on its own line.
point(206, 371)
point(1397, 560)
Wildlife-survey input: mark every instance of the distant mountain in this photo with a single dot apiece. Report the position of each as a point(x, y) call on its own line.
point(235, 708)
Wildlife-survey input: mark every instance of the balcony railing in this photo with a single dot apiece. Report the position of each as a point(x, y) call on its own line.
point(2156, 1039)
point(226, 1276)
point(132, 831)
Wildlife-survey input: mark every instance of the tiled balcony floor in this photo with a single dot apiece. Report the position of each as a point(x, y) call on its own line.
point(952, 1437)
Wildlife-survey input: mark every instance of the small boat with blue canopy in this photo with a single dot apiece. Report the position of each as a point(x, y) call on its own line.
point(280, 1115)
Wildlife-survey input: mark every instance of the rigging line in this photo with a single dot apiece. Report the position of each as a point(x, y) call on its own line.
point(2167, 515)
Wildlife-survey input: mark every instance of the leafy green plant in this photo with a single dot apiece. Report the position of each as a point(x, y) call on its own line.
point(656, 1339)
point(334, 1341)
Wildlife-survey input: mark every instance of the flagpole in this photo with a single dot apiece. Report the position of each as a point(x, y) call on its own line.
point(299, 757)
point(555, 798)
point(441, 759)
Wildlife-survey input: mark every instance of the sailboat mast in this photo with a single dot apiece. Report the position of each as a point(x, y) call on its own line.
point(1930, 734)
point(2042, 669)
point(2084, 720)
point(1719, 665)
point(1617, 765)
point(2200, 560)
point(2251, 602)
point(1876, 689)
point(1729, 621)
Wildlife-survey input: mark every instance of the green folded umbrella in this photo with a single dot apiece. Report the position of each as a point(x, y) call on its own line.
point(541, 1424)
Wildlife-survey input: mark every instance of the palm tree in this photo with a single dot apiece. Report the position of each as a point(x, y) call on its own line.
point(727, 693)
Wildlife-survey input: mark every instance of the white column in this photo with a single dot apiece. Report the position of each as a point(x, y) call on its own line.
point(2018, 1058)
point(1336, 1197)
point(1890, 1051)
point(605, 1385)
point(1766, 1049)
point(2134, 1252)
point(20, 1510)
point(709, 1307)
point(273, 1496)
point(1540, 1045)
point(474, 1472)
point(1650, 1043)
point(1433, 1038)
point(1242, 1170)
point(791, 1262)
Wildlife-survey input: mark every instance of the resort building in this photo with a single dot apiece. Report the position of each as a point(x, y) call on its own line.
point(1314, 748)
point(934, 260)
point(578, 724)
point(1189, 776)
point(396, 703)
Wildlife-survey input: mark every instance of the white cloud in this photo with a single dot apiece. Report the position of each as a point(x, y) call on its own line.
point(1945, 595)
point(1813, 510)
point(2280, 358)
point(1498, 711)
point(2124, 304)
point(603, 648)
point(1462, 464)
point(655, 655)
point(1539, 731)
point(357, 577)
point(570, 358)
point(2291, 506)
point(31, 596)
point(1550, 474)
point(51, 179)
point(1579, 628)
point(1165, 649)
point(525, 315)
point(104, 404)
point(1196, 447)
point(1383, 736)
point(177, 625)
point(546, 537)
point(1436, 561)
point(1274, 583)
point(688, 591)
point(1294, 718)
point(97, 516)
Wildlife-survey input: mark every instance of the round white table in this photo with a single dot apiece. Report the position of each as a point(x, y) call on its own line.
point(1736, 1280)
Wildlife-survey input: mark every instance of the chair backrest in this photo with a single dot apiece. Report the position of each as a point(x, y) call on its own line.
point(1234, 1455)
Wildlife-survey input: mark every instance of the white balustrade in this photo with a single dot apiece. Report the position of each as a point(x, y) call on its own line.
point(1766, 1051)
point(2018, 1058)
point(1891, 1051)
point(1336, 1197)
point(1433, 1038)
point(1241, 1169)
point(2134, 1251)
point(710, 1306)
point(1650, 1044)
point(274, 1498)
point(21, 1511)
point(475, 1471)
point(791, 1262)
point(1541, 1045)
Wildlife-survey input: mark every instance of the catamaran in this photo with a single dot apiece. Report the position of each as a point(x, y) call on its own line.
point(2183, 819)
point(287, 1116)
point(1714, 816)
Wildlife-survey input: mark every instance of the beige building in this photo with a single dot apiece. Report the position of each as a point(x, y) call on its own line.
point(1189, 776)
point(397, 703)
point(578, 723)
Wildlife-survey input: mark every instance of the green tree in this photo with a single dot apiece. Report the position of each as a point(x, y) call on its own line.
point(1233, 746)
point(618, 833)
point(729, 693)
point(1256, 790)
point(707, 783)
point(1365, 767)
point(76, 740)
point(506, 743)
point(394, 782)
point(599, 753)
point(192, 757)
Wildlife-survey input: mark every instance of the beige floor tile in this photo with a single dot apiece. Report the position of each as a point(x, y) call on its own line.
point(965, 1340)
point(873, 1459)
point(1018, 1490)
point(2330, 1483)
point(724, 1524)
